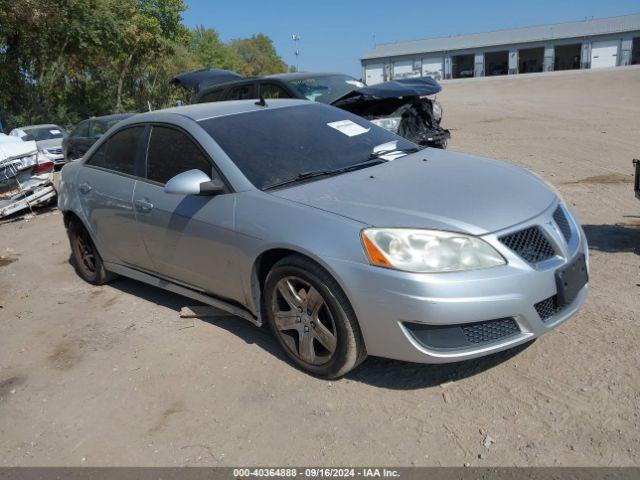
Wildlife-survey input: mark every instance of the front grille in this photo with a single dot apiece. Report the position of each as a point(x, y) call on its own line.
point(489, 331)
point(563, 223)
point(55, 150)
point(547, 308)
point(530, 244)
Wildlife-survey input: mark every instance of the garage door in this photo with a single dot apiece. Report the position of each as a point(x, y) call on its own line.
point(604, 54)
point(374, 74)
point(432, 67)
point(403, 69)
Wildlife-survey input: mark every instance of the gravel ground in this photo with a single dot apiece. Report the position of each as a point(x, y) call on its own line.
point(113, 376)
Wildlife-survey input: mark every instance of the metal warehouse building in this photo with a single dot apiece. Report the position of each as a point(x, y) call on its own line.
point(595, 43)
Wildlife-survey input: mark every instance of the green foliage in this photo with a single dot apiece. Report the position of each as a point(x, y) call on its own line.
point(65, 60)
point(257, 56)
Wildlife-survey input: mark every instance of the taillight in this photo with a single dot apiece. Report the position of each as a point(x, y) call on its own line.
point(43, 167)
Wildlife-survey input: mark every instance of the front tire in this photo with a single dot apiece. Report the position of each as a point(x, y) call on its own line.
point(85, 256)
point(312, 318)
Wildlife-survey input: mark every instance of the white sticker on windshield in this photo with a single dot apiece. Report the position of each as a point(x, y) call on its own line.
point(54, 132)
point(355, 83)
point(388, 151)
point(349, 128)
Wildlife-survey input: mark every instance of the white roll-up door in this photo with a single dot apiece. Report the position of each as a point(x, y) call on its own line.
point(604, 53)
point(432, 67)
point(374, 73)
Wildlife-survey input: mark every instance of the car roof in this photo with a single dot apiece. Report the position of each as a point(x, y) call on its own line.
point(286, 77)
point(42, 125)
point(204, 111)
point(113, 116)
point(303, 75)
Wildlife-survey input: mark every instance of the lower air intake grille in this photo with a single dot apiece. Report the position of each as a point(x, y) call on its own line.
point(563, 224)
point(547, 308)
point(490, 331)
point(530, 244)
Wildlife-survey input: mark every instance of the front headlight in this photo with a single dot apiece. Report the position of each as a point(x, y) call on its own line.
point(46, 154)
point(389, 123)
point(428, 251)
point(437, 110)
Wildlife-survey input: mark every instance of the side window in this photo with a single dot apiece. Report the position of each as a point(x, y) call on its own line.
point(81, 130)
point(118, 153)
point(241, 92)
point(271, 90)
point(212, 96)
point(171, 152)
point(97, 129)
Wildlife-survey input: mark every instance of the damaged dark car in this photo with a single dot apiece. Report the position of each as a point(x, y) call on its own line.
point(406, 107)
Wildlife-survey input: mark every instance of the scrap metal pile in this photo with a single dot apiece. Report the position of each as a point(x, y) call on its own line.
point(26, 177)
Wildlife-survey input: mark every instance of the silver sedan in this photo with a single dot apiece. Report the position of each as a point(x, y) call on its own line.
point(345, 238)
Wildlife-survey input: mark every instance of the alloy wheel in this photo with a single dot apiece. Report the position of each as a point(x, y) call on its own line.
point(84, 251)
point(303, 320)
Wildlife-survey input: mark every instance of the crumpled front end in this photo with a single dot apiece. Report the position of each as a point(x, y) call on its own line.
point(26, 181)
point(403, 107)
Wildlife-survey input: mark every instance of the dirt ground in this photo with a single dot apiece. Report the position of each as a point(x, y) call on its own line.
point(112, 376)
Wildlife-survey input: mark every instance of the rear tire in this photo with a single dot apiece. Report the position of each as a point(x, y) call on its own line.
point(312, 318)
point(85, 257)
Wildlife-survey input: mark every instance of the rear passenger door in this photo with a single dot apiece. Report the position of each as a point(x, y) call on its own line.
point(105, 186)
point(190, 238)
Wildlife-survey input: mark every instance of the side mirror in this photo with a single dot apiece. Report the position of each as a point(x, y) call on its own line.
point(194, 182)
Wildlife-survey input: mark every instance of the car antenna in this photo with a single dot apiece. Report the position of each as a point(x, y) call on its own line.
point(261, 102)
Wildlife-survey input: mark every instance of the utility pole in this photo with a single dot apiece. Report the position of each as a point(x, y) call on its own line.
point(296, 51)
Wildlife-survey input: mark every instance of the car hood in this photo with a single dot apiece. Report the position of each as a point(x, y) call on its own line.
point(431, 189)
point(54, 142)
point(10, 148)
point(406, 87)
point(196, 80)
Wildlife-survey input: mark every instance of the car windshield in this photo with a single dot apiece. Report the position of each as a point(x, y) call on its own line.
point(325, 88)
point(45, 133)
point(275, 145)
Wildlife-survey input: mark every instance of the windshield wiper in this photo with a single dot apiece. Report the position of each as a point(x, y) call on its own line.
point(326, 173)
point(392, 151)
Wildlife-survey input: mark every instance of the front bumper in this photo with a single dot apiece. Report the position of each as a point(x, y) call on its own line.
point(389, 304)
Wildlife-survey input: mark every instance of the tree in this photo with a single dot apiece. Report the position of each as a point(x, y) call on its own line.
point(62, 61)
point(257, 56)
point(209, 51)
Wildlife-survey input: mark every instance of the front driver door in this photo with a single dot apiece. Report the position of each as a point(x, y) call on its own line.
point(190, 239)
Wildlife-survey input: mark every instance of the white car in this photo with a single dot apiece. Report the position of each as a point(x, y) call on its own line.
point(26, 178)
point(48, 138)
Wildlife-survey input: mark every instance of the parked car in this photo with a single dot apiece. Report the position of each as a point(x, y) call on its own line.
point(401, 106)
point(86, 133)
point(48, 138)
point(26, 179)
point(345, 238)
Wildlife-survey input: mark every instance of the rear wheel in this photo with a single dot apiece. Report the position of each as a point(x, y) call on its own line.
point(85, 256)
point(312, 318)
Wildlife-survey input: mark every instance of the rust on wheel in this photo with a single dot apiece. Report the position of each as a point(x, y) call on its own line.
point(84, 251)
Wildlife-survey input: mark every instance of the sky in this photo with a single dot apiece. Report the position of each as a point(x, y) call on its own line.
point(334, 34)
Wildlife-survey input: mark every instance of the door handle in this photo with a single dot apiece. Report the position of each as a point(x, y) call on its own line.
point(84, 187)
point(143, 205)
